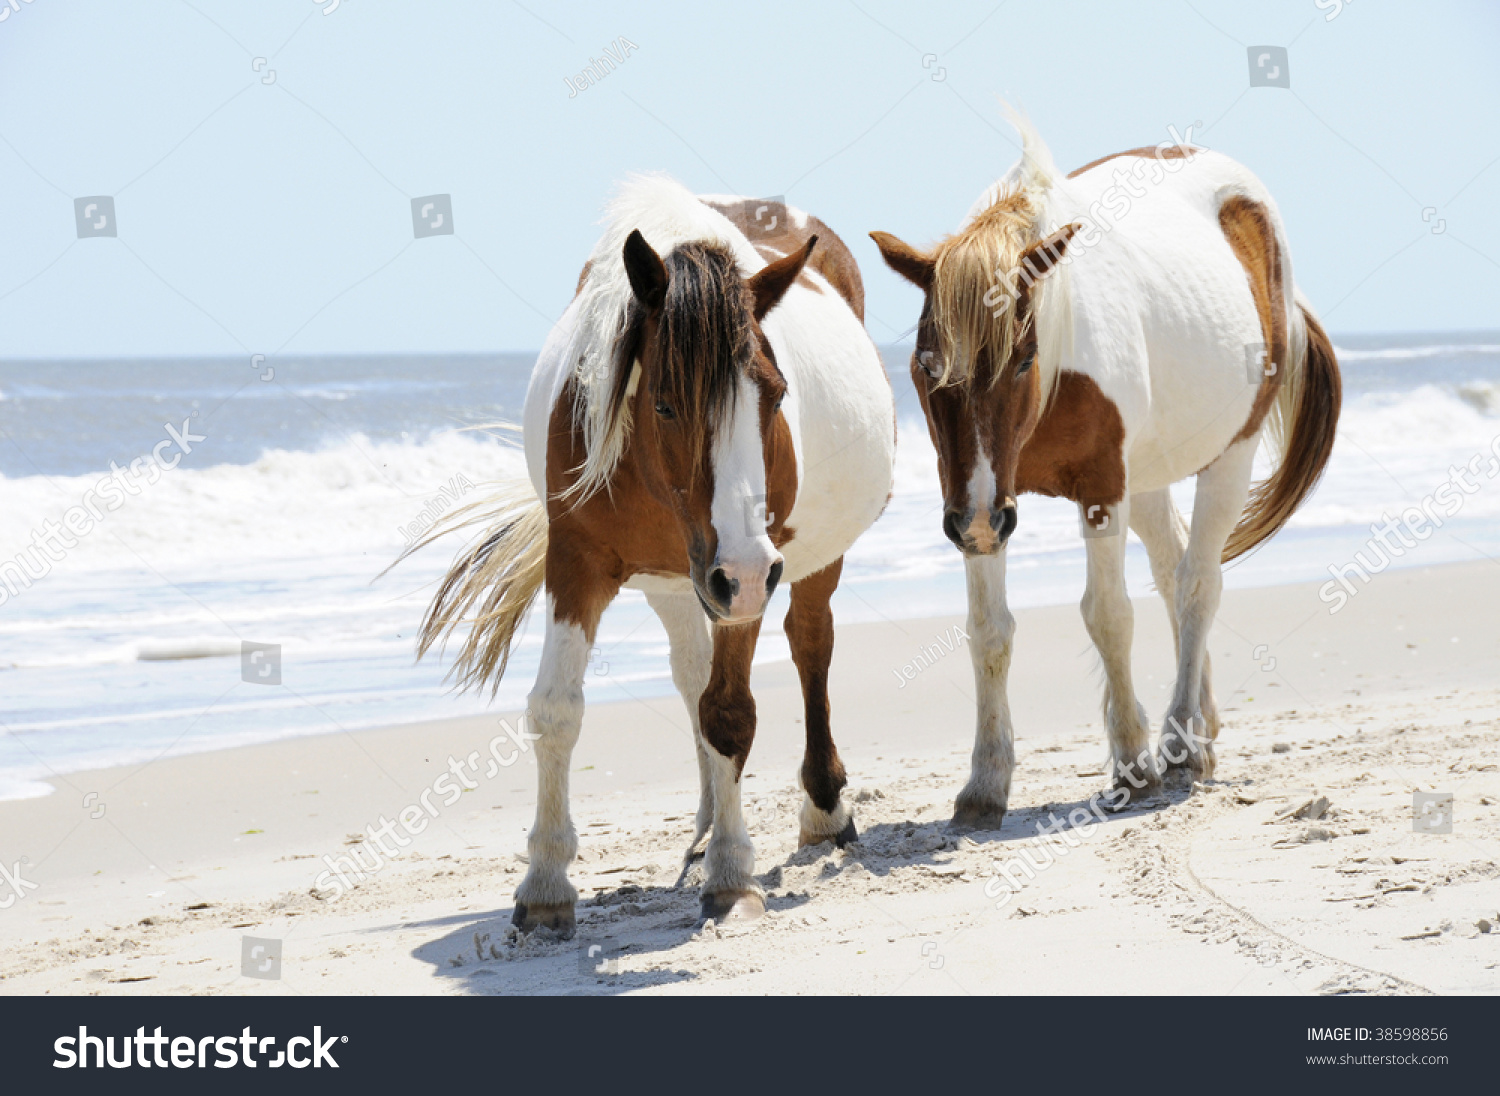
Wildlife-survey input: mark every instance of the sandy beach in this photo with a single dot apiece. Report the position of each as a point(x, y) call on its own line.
point(1300, 869)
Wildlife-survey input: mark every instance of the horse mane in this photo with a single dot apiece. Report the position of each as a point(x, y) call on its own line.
point(978, 281)
point(701, 249)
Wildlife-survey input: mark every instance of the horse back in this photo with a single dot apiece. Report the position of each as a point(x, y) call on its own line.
point(1200, 261)
point(775, 229)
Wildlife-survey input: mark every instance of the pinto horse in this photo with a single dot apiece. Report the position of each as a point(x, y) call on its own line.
point(1156, 334)
point(708, 420)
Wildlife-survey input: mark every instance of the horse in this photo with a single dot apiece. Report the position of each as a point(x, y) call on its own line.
point(709, 419)
point(1098, 337)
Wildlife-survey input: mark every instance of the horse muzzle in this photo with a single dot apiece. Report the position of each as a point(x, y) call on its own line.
point(737, 593)
point(980, 531)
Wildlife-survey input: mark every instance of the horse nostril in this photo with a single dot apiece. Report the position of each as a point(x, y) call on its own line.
point(1003, 521)
point(773, 578)
point(722, 587)
point(954, 522)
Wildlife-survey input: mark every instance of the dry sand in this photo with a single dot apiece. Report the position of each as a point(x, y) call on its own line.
point(1250, 884)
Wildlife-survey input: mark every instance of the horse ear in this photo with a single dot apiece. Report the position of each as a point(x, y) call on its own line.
point(768, 285)
point(1043, 255)
point(644, 268)
point(905, 260)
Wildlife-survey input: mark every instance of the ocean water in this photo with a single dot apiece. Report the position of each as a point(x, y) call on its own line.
point(124, 643)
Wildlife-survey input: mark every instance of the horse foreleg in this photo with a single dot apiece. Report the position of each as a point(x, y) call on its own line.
point(727, 715)
point(1155, 519)
point(982, 802)
point(1110, 619)
point(1223, 487)
point(554, 713)
point(692, 659)
point(809, 633)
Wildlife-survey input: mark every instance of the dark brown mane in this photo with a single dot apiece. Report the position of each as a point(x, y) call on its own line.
point(703, 339)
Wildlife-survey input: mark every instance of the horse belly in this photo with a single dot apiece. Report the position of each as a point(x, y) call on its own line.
point(1171, 448)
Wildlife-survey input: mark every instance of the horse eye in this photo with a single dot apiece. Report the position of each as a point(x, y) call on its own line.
point(928, 362)
point(775, 407)
point(664, 411)
point(1025, 364)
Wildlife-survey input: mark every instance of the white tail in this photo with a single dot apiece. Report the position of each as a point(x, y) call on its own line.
point(491, 584)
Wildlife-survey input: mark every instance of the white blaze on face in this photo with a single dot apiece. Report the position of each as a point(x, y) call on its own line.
point(746, 554)
point(981, 498)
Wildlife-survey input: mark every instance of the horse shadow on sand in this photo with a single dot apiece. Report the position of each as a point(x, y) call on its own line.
point(626, 936)
point(887, 848)
point(624, 941)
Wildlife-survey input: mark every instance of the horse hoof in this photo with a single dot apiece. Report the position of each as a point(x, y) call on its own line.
point(1201, 766)
point(732, 906)
point(1196, 767)
point(560, 919)
point(970, 815)
point(846, 836)
point(976, 823)
point(1133, 796)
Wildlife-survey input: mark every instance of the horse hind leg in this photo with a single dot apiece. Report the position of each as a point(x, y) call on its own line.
point(692, 660)
point(1110, 620)
point(809, 632)
point(1155, 519)
point(1192, 721)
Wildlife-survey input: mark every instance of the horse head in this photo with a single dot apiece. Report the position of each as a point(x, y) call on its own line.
point(699, 380)
point(974, 362)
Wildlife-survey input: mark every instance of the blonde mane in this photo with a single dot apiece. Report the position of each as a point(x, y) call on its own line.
point(977, 276)
point(667, 214)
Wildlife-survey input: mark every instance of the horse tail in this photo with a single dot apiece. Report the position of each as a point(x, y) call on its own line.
point(1301, 423)
point(491, 584)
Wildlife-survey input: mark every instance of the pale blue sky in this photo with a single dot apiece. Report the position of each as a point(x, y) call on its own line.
point(261, 217)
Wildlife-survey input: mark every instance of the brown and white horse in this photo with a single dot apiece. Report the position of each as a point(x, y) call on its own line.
point(1098, 338)
point(709, 419)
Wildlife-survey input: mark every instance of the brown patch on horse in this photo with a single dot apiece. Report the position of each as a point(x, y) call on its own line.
point(809, 633)
point(832, 259)
point(1170, 152)
point(726, 711)
point(587, 542)
point(583, 276)
point(1247, 225)
point(1077, 451)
